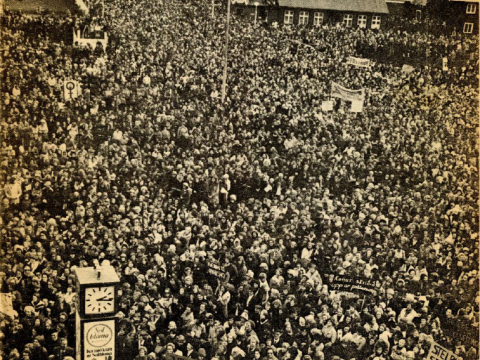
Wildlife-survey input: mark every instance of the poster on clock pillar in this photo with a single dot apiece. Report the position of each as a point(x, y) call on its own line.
point(99, 340)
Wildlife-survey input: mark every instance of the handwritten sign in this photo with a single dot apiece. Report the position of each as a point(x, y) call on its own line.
point(358, 62)
point(343, 283)
point(438, 352)
point(217, 270)
point(6, 306)
point(357, 106)
point(327, 105)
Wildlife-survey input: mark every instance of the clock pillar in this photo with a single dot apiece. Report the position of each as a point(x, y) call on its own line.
point(96, 321)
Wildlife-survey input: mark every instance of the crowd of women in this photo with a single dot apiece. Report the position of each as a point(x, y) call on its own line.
point(150, 170)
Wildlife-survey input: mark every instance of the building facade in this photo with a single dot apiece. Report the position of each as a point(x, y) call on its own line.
point(459, 15)
point(463, 15)
point(407, 8)
point(349, 13)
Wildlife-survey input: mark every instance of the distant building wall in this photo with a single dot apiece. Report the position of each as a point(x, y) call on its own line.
point(463, 15)
point(316, 17)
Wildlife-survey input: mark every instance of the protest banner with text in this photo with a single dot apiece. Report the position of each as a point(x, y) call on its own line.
point(438, 352)
point(358, 62)
point(217, 270)
point(341, 92)
point(350, 284)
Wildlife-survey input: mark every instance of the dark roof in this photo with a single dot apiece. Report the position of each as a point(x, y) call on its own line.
point(363, 6)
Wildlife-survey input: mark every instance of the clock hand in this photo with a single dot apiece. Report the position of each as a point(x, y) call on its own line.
point(103, 299)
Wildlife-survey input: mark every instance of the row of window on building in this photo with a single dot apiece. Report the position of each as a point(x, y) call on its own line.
point(471, 8)
point(318, 17)
point(468, 27)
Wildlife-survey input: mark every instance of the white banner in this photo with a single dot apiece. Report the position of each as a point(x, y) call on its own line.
point(358, 62)
point(342, 92)
point(71, 89)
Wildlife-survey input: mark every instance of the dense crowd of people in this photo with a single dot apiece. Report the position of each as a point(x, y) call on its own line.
point(432, 44)
point(149, 170)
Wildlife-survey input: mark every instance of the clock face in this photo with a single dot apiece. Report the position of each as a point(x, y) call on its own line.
point(99, 300)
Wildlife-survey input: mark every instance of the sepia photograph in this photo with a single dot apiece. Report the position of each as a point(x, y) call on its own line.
point(239, 180)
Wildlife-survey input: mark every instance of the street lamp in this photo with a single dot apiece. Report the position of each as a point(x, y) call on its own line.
point(256, 11)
